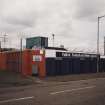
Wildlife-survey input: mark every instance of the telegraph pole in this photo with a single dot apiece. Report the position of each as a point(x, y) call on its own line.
point(98, 36)
point(98, 45)
point(21, 55)
point(104, 45)
point(98, 52)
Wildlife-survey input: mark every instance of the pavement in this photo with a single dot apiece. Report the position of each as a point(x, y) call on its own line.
point(79, 92)
point(12, 79)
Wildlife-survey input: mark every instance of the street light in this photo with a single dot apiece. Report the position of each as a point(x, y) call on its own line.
point(21, 35)
point(21, 54)
point(98, 52)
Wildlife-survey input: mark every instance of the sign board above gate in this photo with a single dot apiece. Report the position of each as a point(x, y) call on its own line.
point(68, 54)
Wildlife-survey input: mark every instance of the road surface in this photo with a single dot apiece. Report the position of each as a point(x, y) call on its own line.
point(82, 92)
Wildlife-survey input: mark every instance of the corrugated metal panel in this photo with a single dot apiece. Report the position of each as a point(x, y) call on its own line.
point(66, 66)
point(84, 65)
point(93, 65)
point(75, 65)
point(50, 66)
point(102, 65)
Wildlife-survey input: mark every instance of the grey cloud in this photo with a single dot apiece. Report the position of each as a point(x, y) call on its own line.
point(88, 9)
point(42, 15)
point(51, 16)
point(19, 16)
point(10, 28)
point(56, 18)
point(26, 20)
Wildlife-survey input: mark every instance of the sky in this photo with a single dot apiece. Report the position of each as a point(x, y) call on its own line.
point(74, 22)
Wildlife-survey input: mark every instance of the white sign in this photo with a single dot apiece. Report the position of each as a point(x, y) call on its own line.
point(37, 58)
point(50, 53)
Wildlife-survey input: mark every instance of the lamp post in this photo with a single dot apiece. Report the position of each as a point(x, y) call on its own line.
point(104, 45)
point(21, 55)
point(98, 52)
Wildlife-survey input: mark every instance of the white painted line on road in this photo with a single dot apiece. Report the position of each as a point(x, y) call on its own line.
point(16, 99)
point(83, 80)
point(65, 91)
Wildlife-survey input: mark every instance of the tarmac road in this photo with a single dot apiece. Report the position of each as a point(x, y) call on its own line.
point(82, 92)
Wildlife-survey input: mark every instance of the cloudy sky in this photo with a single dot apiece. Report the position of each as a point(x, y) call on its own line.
point(74, 22)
